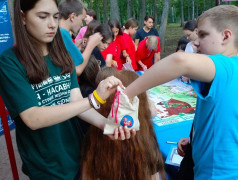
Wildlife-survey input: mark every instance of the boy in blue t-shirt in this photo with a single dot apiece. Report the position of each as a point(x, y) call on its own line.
point(72, 14)
point(214, 76)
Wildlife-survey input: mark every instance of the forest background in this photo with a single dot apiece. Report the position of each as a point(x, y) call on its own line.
point(170, 15)
point(166, 13)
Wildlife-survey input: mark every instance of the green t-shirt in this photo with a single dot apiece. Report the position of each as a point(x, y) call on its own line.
point(47, 153)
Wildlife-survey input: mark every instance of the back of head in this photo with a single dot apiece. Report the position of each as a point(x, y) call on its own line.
point(114, 23)
point(91, 28)
point(152, 43)
point(131, 22)
point(222, 17)
point(190, 25)
point(105, 31)
point(92, 13)
point(138, 157)
point(90, 72)
point(183, 41)
point(67, 7)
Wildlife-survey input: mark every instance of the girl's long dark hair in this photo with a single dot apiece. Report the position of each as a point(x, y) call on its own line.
point(28, 51)
point(137, 158)
point(114, 23)
point(105, 31)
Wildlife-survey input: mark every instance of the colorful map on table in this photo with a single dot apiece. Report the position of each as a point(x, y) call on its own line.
point(174, 101)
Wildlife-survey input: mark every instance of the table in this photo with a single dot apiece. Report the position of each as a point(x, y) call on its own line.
point(175, 104)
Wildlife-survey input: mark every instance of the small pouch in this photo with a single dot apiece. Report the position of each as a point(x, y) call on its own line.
point(123, 113)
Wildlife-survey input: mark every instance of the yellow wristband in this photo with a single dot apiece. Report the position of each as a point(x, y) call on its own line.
point(98, 97)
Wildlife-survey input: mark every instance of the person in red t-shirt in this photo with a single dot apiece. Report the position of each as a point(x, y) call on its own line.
point(117, 46)
point(148, 48)
point(131, 27)
point(108, 55)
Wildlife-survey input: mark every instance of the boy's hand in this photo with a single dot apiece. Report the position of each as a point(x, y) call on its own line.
point(79, 44)
point(107, 86)
point(182, 142)
point(122, 134)
point(94, 40)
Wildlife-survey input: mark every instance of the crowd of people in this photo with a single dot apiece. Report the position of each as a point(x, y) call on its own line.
point(59, 80)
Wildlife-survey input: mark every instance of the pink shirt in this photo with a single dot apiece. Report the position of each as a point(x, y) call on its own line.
point(81, 33)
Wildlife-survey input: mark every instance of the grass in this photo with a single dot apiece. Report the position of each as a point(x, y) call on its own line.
point(173, 33)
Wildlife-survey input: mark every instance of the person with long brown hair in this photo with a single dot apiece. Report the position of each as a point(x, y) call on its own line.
point(137, 158)
point(38, 84)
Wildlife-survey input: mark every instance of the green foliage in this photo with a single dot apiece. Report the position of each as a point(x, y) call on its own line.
point(97, 5)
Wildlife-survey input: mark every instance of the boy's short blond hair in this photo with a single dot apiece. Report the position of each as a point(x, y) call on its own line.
point(222, 17)
point(152, 43)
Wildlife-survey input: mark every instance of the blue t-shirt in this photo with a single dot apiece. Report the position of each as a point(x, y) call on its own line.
point(71, 47)
point(215, 142)
point(141, 34)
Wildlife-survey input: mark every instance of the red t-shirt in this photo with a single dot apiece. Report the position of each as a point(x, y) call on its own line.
point(119, 46)
point(131, 50)
point(110, 50)
point(115, 49)
point(145, 55)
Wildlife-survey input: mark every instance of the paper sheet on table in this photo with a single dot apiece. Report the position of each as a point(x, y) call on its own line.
point(173, 157)
point(127, 66)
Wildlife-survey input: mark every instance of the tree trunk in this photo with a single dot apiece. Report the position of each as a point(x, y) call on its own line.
point(189, 17)
point(90, 4)
point(128, 10)
point(172, 11)
point(193, 9)
point(164, 20)
point(204, 5)
point(105, 17)
point(98, 12)
point(142, 13)
point(197, 4)
point(155, 14)
point(114, 10)
point(182, 14)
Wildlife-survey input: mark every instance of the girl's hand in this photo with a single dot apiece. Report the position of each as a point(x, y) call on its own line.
point(122, 134)
point(94, 40)
point(108, 86)
point(144, 67)
point(114, 64)
point(128, 59)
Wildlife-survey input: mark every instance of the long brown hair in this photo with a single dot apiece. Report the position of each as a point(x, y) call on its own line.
point(137, 158)
point(28, 51)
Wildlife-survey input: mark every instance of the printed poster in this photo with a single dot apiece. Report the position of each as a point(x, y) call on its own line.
point(6, 41)
point(6, 35)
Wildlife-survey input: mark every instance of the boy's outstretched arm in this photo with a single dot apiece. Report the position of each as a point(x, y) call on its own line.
point(195, 66)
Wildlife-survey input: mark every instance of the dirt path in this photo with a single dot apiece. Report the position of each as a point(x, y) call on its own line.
point(5, 168)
